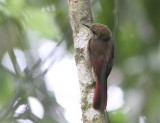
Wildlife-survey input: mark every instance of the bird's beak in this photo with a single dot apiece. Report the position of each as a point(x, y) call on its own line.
point(88, 26)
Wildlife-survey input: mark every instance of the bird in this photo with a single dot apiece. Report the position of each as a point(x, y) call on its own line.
point(99, 52)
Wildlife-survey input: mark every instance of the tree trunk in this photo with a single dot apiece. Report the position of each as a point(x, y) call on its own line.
point(80, 12)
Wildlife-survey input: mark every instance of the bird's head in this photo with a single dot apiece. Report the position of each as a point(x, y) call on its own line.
point(101, 32)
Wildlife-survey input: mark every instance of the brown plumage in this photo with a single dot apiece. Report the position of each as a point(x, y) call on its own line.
point(100, 54)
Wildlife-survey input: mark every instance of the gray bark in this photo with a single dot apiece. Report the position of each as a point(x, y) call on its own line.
point(80, 12)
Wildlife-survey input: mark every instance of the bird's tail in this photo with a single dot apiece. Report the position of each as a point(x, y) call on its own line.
point(100, 96)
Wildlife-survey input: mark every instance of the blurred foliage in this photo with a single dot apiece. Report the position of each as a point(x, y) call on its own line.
point(24, 23)
point(137, 55)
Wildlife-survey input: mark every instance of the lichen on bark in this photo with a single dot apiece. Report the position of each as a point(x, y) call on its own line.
point(80, 13)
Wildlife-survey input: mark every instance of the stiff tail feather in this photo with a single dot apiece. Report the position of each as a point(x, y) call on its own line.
point(100, 97)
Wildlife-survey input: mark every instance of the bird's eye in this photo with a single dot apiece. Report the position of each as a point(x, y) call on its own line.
point(94, 32)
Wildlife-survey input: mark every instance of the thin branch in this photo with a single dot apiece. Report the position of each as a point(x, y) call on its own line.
point(106, 117)
point(10, 108)
point(40, 63)
point(116, 12)
point(15, 63)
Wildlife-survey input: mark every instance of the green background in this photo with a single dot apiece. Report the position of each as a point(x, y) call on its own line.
point(136, 30)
